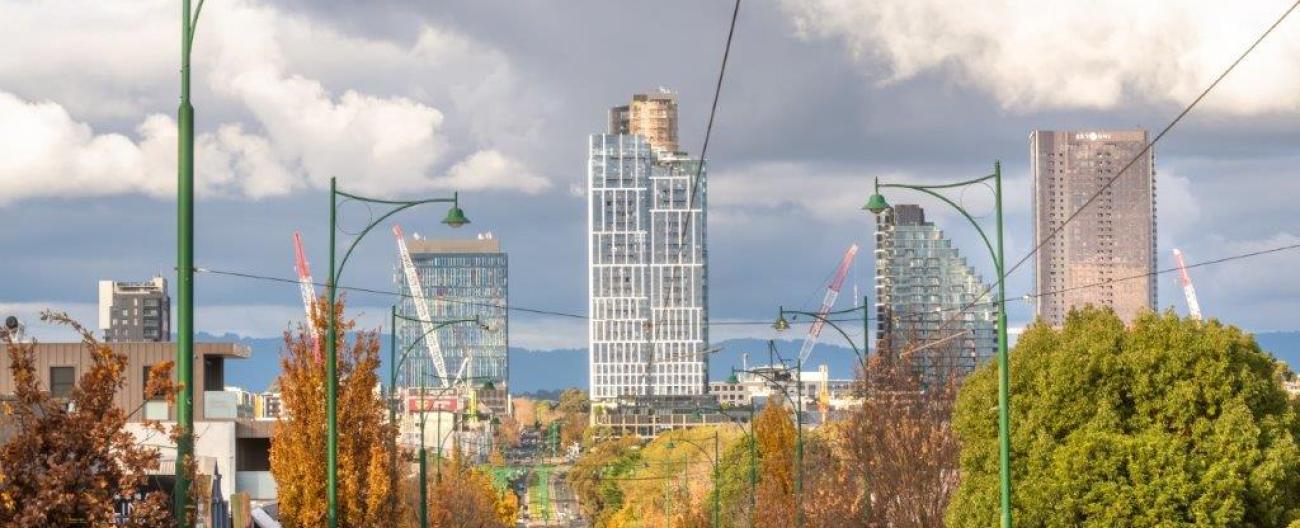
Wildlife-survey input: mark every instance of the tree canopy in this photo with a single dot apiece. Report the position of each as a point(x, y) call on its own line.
point(1169, 422)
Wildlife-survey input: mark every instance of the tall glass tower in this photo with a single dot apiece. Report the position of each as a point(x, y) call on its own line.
point(462, 279)
point(647, 268)
point(926, 309)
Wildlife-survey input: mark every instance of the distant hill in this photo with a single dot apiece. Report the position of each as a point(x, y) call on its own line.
point(536, 370)
point(547, 370)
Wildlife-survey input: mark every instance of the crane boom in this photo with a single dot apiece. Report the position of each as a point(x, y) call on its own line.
point(308, 290)
point(421, 307)
point(1189, 291)
point(832, 292)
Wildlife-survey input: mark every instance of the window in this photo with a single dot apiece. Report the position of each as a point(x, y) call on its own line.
point(62, 379)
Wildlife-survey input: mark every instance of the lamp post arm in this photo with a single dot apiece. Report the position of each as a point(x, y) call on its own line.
point(348, 254)
point(857, 351)
point(926, 189)
point(971, 181)
point(437, 326)
point(453, 200)
point(699, 448)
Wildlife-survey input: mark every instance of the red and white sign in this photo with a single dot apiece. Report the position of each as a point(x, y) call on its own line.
point(432, 404)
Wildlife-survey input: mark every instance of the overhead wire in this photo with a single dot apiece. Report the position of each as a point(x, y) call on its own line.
point(794, 319)
point(1144, 152)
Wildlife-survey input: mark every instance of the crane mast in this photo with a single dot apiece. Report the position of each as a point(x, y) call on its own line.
point(421, 307)
point(1189, 291)
point(308, 290)
point(832, 292)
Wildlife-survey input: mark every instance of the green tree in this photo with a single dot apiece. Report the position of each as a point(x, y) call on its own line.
point(1170, 422)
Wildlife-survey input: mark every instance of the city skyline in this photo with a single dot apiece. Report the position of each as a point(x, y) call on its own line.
point(778, 168)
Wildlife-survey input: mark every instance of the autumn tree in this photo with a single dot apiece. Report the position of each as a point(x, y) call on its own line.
point(366, 494)
point(465, 497)
point(69, 459)
point(775, 433)
point(1169, 422)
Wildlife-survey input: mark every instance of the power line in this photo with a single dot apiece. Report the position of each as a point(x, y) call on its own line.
point(510, 307)
point(1221, 260)
point(1145, 150)
point(708, 129)
point(793, 320)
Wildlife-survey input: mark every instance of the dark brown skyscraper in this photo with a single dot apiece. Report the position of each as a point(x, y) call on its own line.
point(1113, 239)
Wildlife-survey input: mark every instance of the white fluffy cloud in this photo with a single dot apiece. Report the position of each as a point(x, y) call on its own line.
point(291, 131)
point(1032, 54)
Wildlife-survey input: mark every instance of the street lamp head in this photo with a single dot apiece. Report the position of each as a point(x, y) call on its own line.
point(489, 386)
point(876, 204)
point(455, 217)
point(781, 324)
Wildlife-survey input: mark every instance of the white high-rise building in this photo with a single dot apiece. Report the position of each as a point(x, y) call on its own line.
point(647, 269)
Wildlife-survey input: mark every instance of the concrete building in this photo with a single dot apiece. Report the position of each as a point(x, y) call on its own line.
point(1114, 238)
point(462, 279)
point(928, 298)
point(135, 311)
point(652, 116)
point(226, 435)
point(647, 265)
point(755, 385)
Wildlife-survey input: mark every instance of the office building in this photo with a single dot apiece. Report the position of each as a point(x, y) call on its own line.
point(462, 279)
point(930, 303)
point(652, 116)
point(647, 264)
point(1113, 238)
point(135, 311)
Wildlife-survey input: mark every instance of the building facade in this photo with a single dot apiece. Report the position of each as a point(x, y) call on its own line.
point(1113, 238)
point(648, 270)
point(135, 311)
point(462, 279)
point(930, 304)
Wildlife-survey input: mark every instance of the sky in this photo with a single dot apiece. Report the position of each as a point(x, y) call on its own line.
point(494, 99)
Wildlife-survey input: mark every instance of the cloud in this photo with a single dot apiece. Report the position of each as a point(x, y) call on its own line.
point(301, 133)
point(1035, 54)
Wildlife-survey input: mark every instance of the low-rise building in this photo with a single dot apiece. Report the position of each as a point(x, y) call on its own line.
point(225, 433)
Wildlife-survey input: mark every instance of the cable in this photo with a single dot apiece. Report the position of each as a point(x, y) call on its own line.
point(708, 129)
point(794, 320)
point(1146, 149)
point(510, 307)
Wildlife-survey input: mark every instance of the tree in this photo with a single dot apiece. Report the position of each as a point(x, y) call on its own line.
point(365, 480)
point(899, 445)
point(1171, 422)
point(774, 431)
point(70, 459)
point(465, 498)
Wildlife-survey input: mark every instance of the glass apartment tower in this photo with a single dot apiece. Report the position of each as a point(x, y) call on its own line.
point(922, 286)
point(1114, 238)
point(647, 269)
point(462, 279)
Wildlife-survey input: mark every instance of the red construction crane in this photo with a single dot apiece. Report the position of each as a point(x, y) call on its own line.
point(308, 290)
point(832, 292)
point(1193, 306)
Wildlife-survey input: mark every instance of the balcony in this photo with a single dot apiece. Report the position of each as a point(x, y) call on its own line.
point(257, 484)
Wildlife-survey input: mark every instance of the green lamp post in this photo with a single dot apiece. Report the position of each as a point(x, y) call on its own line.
point(455, 218)
point(876, 204)
point(182, 507)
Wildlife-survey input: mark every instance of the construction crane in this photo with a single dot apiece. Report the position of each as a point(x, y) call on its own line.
point(832, 292)
point(1193, 306)
point(421, 307)
point(308, 290)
